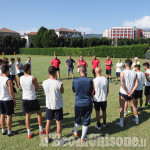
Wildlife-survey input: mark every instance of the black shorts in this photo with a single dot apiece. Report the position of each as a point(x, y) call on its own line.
point(147, 90)
point(20, 74)
point(12, 77)
point(85, 112)
point(57, 69)
point(108, 71)
point(93, 71)
point(126, 97)
point(102, 105)
point(117, 74)
point(7, 107)
point(57, 114)
point(138, 94)
point(30, 105)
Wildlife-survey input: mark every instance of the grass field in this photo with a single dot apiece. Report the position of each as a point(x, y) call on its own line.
point(39, 69)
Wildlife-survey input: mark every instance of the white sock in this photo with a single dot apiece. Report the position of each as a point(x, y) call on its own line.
point(121, 120)
point(9, 132)
point(76, 126)
point(40, 128)
point(84, 131)
point(125, 112)
point(29, 132)
point(3, 130)
point(136, 117)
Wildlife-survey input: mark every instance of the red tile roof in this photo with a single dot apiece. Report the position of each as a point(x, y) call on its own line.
point(31, 33)
point(67, 30)
point(7, 30)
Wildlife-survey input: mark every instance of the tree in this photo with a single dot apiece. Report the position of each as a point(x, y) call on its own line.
point(23, 42)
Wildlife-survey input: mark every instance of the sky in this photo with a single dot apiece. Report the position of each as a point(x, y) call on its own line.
point(89, 16)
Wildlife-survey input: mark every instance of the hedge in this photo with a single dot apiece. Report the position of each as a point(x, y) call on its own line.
point(138, 50)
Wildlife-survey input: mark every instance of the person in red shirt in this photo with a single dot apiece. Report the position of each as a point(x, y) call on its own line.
point(108, 64)
point(95, 63)
point(56, 62)
point(81, 58)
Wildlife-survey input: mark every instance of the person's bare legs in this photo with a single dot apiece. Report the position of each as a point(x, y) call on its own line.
point(16, 82)
point(3, 121)
point(147, 99)
point(58, 75)
point(136, 102)
point(133, 107)
point(122, 106)
point(98, 117)
point(9, 122)
point(48, 126)
point(72, 75)
point(104, 115)
point(141, 101)
point(125, 106)
point(39, 114)
point(116, 79)
point(59, 129)
point(68, 75)
point(28, 120)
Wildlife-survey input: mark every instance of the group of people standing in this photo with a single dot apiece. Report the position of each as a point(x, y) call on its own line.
point(88, 93)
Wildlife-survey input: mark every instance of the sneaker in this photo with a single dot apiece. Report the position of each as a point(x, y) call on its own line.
point(30, 136)
point(145, 106)
point(41, 133)
point(116, 83)
point(140, 108)
point(75, 134)
point(125, 114)
point(136, 121)
point(119, 124)
point(4, 132)
point(83, 140)
point(99, 128)
point(130, 111)
point(12, 133)
point(61, 142)
point(104, 125)
point(46, 140)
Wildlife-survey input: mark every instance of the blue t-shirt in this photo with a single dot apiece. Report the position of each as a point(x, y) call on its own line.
point(70, 62)
point(83, 88)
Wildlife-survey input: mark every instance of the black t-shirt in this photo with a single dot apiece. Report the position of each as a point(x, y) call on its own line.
point(70, 62)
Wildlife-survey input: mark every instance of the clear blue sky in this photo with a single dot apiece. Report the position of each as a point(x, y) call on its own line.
point(93, 16)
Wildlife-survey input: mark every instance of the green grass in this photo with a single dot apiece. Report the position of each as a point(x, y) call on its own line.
point(40, 70)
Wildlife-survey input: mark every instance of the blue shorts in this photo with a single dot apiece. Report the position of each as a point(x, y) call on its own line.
point(117, 74)
point(30, 105)
point(85, 112)
point(57, 114)
point(20, 74)
point(7, 107)
point(70, 69)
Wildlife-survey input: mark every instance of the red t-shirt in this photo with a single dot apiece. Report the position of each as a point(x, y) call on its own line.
point(82, 63)
point(95, 63)
point(55, 63)
point(108, 62)
point(80, 60)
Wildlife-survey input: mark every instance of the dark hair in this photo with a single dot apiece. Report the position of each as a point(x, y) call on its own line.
point(146, 64)
point(137, 66)
point(18, 58)
point(128, 62)
point(29, 57)
point(1, 60)
point(12, 59)
point(52, 70)
point(4, 68)
point(26, 67)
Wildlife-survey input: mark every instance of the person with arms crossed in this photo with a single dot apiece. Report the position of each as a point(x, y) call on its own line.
point(95, 63)
point(7, 101)
point(101, 88)
point(56, 62)
point(108, 64)
point(19, 68)
point(29, 86)
point(54, 103)
point(119, 66)
point(147, 83)
point(28, 61)
point(139, 90)
point(129, 83)
point(69, 64)
point(83, 88)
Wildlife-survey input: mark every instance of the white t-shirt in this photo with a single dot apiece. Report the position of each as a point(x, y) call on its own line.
point(12, 68)
point(140, 76)
point(28, 88)
point(100, 85)
point(19, 70)
point(0, 71)
point(147, 83)
point(4, 90)
point(119, 65)
point(54, 98)
point(129, 81)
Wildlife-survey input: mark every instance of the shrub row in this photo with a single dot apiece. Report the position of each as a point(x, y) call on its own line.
point(138, 50)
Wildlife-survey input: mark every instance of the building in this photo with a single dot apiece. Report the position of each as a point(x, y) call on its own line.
point(67, 33)
point(139, 33)
point(8, 32)
point(119, 32)
point(146, 33)
point(28, 36)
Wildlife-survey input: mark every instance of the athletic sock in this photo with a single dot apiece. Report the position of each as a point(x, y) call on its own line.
point(41, 128)
point(3, 130)
point(98, 124)
point(29, 132)
point(76, 126)
point(84, 131)
point(136, 117)
point(125, 112)
point(9, 132)
point(121, 120)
